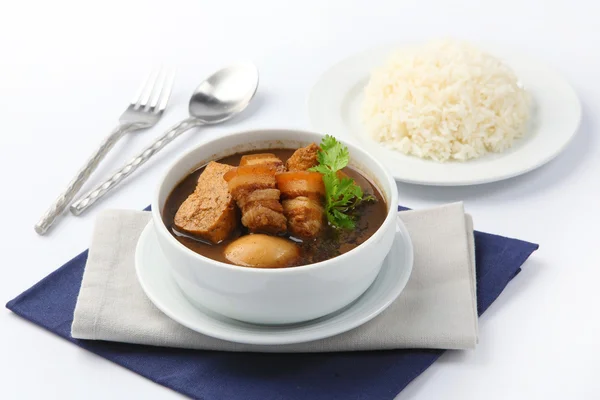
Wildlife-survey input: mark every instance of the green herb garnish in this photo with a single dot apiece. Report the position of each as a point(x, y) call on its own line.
point(342, 195)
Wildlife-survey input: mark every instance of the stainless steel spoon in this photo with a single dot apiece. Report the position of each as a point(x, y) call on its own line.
point(223, 95)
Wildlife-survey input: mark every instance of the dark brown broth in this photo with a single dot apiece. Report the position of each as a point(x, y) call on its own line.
point(330, 242)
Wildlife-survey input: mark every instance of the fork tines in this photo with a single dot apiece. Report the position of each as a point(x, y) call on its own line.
point(154, 93)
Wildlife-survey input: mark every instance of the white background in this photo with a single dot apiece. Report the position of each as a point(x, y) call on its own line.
point(68, 68)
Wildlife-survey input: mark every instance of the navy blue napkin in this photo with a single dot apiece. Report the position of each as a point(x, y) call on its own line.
point(212, 375)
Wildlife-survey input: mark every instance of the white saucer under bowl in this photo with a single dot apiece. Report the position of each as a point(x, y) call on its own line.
point(156, 281)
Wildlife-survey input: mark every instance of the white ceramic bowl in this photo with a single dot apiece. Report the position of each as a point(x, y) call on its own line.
point(274, 296)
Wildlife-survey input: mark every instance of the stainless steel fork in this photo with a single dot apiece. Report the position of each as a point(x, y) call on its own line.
point(144, 111)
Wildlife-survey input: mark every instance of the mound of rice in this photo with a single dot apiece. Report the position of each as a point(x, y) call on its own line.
point(445, 101)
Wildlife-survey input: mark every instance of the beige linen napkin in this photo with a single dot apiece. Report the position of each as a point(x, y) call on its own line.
point(437, 309)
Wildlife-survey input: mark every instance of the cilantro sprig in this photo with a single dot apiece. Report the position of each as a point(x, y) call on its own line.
point(342, 194)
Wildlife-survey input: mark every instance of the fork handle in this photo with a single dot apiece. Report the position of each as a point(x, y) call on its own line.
point(84, 202)
point(82, 176)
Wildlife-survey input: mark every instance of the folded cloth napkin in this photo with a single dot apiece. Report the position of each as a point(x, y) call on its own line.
point(437, 309)
point(211, 375)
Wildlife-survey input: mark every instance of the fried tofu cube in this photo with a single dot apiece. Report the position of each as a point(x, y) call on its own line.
point(209, 213)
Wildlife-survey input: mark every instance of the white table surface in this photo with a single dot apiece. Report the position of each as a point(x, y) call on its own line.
point(68, 68)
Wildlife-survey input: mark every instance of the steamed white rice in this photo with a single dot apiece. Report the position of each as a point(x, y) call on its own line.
point(445, 101)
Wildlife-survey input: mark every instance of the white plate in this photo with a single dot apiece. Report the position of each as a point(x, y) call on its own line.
point(335, 100)
point(161, 289)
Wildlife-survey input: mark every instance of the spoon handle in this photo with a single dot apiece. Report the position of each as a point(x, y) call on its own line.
point(85, 202)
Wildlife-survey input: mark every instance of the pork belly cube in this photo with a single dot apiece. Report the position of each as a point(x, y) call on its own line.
point(303, 158)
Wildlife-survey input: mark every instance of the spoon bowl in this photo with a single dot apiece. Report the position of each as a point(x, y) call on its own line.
point(224, 94)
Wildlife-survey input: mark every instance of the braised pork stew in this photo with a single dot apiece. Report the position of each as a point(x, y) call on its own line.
point(228, 213)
